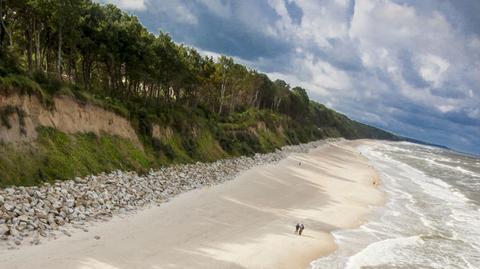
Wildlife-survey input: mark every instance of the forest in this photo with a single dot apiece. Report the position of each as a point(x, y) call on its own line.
point(107, 52)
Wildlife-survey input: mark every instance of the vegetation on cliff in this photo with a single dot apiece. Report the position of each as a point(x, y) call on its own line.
point(206, 109)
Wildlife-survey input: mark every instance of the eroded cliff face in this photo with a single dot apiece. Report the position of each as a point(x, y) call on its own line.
point(21, 115)
point(31, 154)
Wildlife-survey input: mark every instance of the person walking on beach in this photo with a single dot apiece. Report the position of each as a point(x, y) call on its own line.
point(297, 228)
point(300, 231)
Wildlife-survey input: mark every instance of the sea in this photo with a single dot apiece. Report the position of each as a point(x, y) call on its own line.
point(431, 218)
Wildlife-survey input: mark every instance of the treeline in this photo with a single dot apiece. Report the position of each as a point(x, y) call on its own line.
point(108, 52)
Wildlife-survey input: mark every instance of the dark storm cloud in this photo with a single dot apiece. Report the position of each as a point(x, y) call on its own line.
point(219, 30)
point(410, 70)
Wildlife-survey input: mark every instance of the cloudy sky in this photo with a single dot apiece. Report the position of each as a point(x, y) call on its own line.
point(411, 67)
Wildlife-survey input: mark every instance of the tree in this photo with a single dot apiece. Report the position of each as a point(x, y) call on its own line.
point(224, 68)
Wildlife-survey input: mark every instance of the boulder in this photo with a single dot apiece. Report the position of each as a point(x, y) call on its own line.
point(8, 206)
point(4, 229)
point(67, 233)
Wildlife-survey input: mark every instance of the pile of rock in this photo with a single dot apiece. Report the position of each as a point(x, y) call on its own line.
point(31, 213)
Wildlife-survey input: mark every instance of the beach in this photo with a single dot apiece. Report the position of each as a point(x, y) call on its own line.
point(247, 222)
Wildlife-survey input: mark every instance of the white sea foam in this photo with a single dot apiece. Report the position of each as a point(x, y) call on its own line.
point(380, 252)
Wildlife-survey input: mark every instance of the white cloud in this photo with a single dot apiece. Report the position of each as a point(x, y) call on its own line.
point(219, 7)
point(445, 108)
point(323, 20)
point(129, 4)
point(177, 11)
point(432, 68)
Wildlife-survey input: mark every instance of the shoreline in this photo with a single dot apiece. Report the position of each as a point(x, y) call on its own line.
point(237, 224)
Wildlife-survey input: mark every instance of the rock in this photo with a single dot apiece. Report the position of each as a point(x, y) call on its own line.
point(13, 232)
point(35, 241)
point(59, 220)
point(51, 218)
point(41, 214)
point(23, 218)
point(67, 233)
point(97, 237)
point(70, 203)
point(18, 242)
point(21, 226)
point(2, 200)
point(8, 206)
point(57, 205)
point(4, 229)
point(81, 228)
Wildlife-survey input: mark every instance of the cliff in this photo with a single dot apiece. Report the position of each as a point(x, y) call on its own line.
point(72, 137)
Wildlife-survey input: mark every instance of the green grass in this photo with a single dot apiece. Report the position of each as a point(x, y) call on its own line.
point(270, 140)
point(58, 156)
point(208, 148)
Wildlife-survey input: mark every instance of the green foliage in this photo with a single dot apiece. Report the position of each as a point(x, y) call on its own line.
point(208, 148)
point(9, 62)
point(163, 149)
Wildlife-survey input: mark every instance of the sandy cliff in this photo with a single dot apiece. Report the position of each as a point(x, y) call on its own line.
point(25, 113)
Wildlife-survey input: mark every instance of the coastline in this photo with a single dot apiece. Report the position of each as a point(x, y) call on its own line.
point(244, 223)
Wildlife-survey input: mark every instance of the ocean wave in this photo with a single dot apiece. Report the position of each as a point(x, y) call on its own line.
point(382, 252)
point(428, 221)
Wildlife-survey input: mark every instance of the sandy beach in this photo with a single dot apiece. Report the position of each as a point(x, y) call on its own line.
point(244, 223)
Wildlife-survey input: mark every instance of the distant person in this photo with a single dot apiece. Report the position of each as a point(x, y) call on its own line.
point(297, 228)
point(300, 163)
point(300, 231)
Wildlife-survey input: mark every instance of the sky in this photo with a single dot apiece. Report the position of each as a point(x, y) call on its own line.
point(410, 67)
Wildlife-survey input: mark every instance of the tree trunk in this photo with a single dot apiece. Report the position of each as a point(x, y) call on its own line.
point(232, 101)
point(222, 94)
point(70, 65)
point(29, 49)
point(59, 53)
point(3, 26)
point(37, 44)
point(2, 30)
point(254, 99)
point(44, 54)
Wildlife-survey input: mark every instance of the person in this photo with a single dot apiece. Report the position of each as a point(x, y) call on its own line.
point(297, 227)
point(300, 231)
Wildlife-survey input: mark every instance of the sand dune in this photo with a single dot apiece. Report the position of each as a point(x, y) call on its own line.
point(245, 223)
